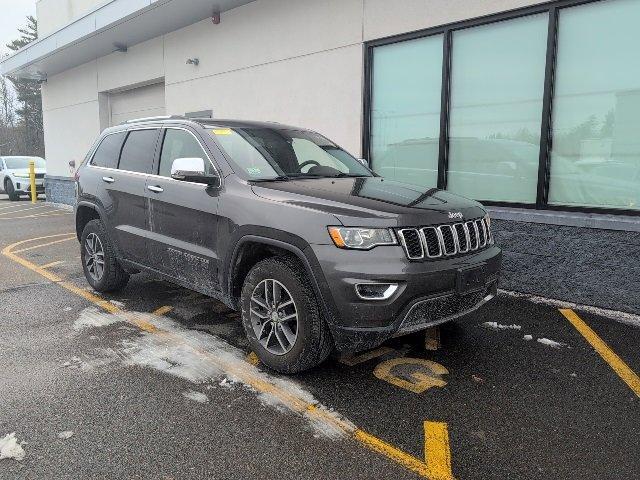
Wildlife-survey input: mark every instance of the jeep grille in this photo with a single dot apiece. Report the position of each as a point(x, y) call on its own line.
point(445, 240)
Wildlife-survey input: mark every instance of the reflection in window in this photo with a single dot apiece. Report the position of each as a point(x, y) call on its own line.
point(405, 110)
point(497, 85)
point(595, 157)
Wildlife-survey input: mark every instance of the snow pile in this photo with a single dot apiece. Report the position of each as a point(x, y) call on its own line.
point(497, 326)
point(93, 317)
point(202, 358)
point(196, 396)
point(550, 343)
point(528, 337)
point(10, 448)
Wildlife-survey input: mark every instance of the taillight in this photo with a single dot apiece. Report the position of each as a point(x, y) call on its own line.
point(76, 176)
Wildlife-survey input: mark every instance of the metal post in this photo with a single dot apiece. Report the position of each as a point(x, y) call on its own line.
point(32, 178)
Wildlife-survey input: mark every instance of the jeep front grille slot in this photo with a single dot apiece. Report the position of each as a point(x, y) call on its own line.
point(448, 239)
point(410, 239)
point(461, 232)
point(432, 242)
point(445, 240)
point(473, 235)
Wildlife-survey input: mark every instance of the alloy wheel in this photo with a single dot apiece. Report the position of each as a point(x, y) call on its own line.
point(274, 316)
point(94, 256)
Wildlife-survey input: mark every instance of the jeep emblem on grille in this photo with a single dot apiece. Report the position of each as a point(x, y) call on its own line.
point(453, 215)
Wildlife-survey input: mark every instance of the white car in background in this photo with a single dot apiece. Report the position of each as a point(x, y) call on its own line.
point(14, 176)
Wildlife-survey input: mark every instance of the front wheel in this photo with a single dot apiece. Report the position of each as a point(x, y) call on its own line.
point(282, 318)
point(99, 262)
point(11, 191)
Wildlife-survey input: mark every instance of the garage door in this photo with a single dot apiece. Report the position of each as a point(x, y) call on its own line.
point(136, 103)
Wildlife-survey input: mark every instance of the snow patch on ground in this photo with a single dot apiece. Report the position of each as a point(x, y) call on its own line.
point(92, 317)
point(65, 435)
point(196, 396)
point(528, 337)
point(10, 448)
point(550, 343)
point(202, 358)
point(497, 326)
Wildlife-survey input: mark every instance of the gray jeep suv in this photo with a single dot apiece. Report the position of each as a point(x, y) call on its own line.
point(316, 250)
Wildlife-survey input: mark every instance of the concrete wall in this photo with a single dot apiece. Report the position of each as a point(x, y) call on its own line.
point(55, 14)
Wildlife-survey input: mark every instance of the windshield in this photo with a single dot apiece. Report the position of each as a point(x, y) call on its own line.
point(280, 153)
point(23, 162)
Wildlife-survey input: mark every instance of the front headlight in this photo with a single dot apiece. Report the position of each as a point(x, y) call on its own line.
point(21, 175)
point(361, 238)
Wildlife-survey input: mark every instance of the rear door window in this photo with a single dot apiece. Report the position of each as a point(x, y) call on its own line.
point(108, 152)
point(138, 151)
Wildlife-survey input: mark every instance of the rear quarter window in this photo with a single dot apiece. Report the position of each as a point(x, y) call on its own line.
point(108, 152)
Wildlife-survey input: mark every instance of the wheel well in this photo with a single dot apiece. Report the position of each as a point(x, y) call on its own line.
point(249, 255)
point(84, 215)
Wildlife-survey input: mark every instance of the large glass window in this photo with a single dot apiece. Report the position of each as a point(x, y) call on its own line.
point(497, 88)
point(405, 110)
point(595, 157)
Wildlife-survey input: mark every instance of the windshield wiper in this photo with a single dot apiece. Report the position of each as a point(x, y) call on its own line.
point(279, 178)
point(350, 175)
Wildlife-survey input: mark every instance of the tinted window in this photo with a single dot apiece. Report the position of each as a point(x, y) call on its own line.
point(497, 84)
point(137, 153)
point(109, 150)
point(595, 156)
point(181, 144)
point(405, 110)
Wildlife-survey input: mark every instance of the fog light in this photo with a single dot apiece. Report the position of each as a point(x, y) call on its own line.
point(376, 291)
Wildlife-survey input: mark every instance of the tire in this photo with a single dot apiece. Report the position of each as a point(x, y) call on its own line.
point(11, 191)
point(313, 342)
point(113, 277)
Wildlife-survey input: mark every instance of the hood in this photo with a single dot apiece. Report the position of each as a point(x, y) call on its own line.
point(373, 201)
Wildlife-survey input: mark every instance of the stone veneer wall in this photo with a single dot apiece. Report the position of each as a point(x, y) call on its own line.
point(590, 266)
point(60, 190)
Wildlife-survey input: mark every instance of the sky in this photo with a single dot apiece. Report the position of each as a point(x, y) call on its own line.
point(13, 16)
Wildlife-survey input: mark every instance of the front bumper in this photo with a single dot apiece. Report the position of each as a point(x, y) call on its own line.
point(23, 185)
point(427, 293)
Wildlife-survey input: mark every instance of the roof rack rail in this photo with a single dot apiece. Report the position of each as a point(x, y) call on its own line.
point(151, 119)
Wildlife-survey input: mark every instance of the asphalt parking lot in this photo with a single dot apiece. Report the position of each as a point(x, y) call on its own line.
point(157, 382)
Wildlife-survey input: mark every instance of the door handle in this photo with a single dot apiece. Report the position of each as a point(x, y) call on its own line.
point(108, 179)
point(155, 189)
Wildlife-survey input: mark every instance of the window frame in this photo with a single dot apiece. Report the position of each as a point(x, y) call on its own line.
point(553, 9)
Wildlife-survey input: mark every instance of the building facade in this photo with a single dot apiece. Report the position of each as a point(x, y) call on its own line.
point(530, 107)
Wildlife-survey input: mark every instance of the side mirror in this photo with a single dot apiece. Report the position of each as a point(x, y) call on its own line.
point(192, 170)
point(363, 161)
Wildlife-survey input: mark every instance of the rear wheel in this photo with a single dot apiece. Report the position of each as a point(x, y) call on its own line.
point(282, 318)
point(11, 191)
point(99, 262)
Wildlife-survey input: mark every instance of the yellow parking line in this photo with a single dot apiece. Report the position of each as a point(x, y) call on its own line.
point(44, 244)
point(437, 464)
point(253, 359)
point(615, 362)
point(163, 310)
point(52, 264)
